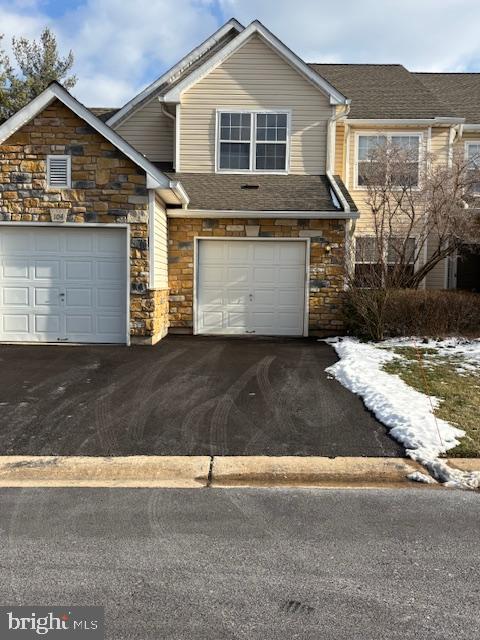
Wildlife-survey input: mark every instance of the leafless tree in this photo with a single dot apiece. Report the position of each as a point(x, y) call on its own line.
point(414, 201)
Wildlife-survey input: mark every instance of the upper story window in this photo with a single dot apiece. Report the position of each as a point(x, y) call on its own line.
point(393, 158)
point(253, 141)
point(473, 157)
point(59, 172)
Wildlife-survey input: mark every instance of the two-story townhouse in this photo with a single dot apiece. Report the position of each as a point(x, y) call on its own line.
point(217, 201)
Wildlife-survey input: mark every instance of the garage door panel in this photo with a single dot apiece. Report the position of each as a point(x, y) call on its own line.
point(16, 296)
point(46, 242)
point(15, 269)
point(110, 299)
point(46, 296)
point(81, 243)
point(264, 252)
point(78, 298)
point(56, 285)
point(236, 320)
point(15, 323)
point(79, 324)
point(47, 323)
point(46, 270)
point(292, 253)
point(110, 269)
point(271, 298)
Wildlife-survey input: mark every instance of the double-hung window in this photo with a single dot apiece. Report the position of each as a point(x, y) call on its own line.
point(388, 158)
point(252, 141)
point(473, 158)
point(373, 260)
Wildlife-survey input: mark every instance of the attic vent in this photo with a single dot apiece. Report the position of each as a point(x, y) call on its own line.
point(250, 186)
point(58, 171)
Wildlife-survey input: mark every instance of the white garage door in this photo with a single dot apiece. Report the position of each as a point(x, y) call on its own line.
point(62, 284)
point(251, 287)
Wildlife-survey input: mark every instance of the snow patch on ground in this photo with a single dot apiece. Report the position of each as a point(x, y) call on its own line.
point(404, 410)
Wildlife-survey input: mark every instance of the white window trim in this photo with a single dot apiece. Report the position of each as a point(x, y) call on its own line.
point(388, 135)
point(469, 143)
point(253, 141)
point(416, 263)
point(69, 171)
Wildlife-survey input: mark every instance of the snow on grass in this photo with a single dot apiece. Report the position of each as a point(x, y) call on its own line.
point(404, 410)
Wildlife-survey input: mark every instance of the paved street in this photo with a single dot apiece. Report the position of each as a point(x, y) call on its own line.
point(256, 564)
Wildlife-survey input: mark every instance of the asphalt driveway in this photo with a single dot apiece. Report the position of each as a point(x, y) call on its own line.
point(185, 396)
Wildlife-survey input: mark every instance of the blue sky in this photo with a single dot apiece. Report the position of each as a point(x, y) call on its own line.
point(122, 45)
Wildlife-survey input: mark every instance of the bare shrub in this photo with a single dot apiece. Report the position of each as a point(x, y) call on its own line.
point(410, 312)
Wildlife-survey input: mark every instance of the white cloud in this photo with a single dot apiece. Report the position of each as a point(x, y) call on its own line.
point(121, 46)
point(421, 34)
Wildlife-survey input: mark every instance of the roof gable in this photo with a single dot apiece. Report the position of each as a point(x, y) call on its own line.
point(56, 91)
point(174, 93)
point(186, 65)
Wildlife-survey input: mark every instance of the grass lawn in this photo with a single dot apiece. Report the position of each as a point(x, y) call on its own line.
point(455, 383)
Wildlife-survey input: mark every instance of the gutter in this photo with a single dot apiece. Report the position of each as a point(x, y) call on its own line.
point(439, 121)
point(223, 213)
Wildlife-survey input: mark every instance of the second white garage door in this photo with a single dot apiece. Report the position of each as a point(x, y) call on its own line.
point(251, 287)
point(63, 284)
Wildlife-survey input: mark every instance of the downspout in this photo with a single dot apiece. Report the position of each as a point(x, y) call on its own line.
point(350, 224)
point(172, 117)
point(331, 128)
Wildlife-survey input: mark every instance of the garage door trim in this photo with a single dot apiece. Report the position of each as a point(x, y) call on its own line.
point(198, 239)
point(84, 225)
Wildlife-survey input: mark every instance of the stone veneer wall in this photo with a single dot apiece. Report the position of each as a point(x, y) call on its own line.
point(107, 187)
point(326, 265)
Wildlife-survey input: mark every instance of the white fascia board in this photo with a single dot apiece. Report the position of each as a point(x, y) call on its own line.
point(56, 91)
point(24, 115)
point(404, 121)
point(174, 95)
point(471, 127)
point(220, 213)
point(173, 71)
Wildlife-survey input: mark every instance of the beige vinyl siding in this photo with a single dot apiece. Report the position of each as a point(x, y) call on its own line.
point(436, 279)
point(150, 131)
point(255, 77)
point(340, 150)
point(160, 248)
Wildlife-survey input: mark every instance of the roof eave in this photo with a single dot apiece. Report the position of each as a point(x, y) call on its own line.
point(337, 214)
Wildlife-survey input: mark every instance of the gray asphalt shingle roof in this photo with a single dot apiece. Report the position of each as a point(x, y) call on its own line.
point(384, 91)
point(234, 192)
point(460, 90)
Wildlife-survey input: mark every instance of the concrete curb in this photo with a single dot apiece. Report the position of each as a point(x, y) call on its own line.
point(260, 471)
point(465, 464)
point(79, 471)
point(203, 471)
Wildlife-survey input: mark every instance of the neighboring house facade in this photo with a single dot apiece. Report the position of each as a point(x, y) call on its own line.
point(220, 200)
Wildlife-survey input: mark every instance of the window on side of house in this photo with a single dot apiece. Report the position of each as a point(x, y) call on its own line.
point(369, 258)
point(399, 165)
point(59, 172)
point(399, 248)
point(368, 269)
point(473, 157)
point(252, 141)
